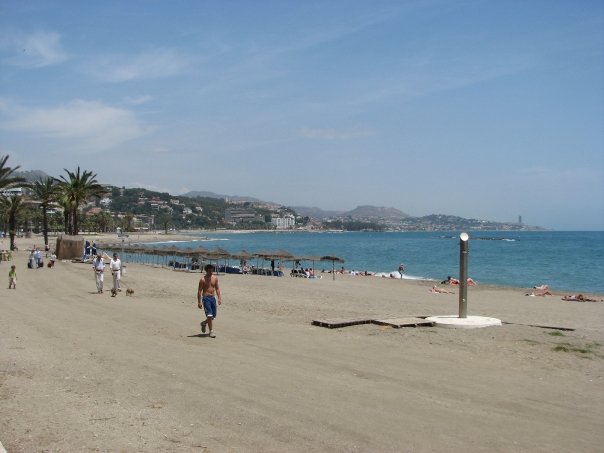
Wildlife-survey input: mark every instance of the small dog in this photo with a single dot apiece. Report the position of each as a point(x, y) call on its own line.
point(129, 292)
point(113, 292)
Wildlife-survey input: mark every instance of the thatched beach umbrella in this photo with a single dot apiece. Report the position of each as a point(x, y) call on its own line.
point(264, 254)
point(187, 254)
point(309, 258)
point(169, 251)
point(333, 260)
point(283, 254)
point(218, 254)
point(243, 255)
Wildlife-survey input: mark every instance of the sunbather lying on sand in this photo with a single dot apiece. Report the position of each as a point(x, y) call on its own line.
point(578, 298)
point(544, 292)
point(435, 289)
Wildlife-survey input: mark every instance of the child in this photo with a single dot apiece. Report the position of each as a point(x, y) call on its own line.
point(12, 277)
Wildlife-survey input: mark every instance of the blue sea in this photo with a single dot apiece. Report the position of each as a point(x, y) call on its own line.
point(566, 261)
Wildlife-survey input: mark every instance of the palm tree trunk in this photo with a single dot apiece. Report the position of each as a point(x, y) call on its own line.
point(11, 235)
point(75, 221)
point(12, 229)
point(45, 225)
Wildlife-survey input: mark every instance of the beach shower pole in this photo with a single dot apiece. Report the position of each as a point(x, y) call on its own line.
point(463, 275)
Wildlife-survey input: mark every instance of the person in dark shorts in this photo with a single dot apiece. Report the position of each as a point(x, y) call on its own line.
point(207, 292)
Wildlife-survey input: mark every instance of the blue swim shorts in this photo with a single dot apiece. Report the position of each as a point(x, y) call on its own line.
point(209, 306)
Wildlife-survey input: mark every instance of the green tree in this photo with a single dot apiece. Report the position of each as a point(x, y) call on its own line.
point(164, 220)
point(102, 221)
point(79, 186)
point(45, 191)
point(55, 221)
point(65, 203)
point(7, 179)
point(11, 206)
point(128, 219)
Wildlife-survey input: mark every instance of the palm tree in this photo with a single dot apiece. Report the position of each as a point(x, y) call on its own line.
point(65, 204)
point(11, 205)
point(45, 191)
point(128, 219)
point(78, 187)
point(102, 221)
point(7, 179)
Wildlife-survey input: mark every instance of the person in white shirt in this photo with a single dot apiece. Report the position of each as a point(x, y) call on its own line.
point(116, 271)
point(38, 258)
point(98, 265)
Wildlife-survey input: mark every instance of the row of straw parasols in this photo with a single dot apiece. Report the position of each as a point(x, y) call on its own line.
point(161, 255)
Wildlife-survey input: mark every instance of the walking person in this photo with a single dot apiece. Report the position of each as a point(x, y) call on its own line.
point(98, 265)
point(116, 272)
point(12, 277)
point(38, 258)
point(206, 297)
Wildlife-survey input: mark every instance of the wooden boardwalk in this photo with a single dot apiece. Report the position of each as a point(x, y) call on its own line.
point(340, 322)
point(408, 321)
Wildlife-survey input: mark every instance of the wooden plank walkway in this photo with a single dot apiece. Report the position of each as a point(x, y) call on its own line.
point(340, 322)
point(409, 321)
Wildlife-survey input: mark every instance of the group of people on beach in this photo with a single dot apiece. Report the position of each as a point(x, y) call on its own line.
point(453, 281)
point(115, 266)
point(35, 260)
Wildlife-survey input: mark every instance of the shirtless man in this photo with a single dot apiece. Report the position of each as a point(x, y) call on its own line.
point(208, 289)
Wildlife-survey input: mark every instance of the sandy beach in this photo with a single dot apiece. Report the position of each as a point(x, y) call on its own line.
point(81, 371)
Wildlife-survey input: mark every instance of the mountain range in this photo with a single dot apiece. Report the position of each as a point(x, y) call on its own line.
point(360, 212)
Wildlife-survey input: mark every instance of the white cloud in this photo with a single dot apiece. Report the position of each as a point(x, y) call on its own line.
point(36, 50)
point(90, 124)
point(138, 100)
point(334, 134)
point(151, 64)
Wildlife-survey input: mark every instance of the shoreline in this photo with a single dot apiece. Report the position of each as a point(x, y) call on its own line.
point(157, 237)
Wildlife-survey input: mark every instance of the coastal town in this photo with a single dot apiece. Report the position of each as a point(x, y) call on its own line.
point(139, 209)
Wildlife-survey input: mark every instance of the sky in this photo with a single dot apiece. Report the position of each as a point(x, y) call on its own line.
point(482, 109)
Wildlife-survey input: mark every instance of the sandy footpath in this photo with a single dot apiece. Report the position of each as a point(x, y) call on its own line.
point(82, 372)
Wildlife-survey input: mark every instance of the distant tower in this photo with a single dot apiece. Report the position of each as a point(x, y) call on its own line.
point(519, 220)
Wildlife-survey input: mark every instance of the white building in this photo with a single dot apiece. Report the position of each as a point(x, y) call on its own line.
point(286, 222)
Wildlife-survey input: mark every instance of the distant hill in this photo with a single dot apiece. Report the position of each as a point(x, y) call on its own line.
point(360, 212)
point(31, 175)
point(316, 213)
point(206, 194)
point(367, 212)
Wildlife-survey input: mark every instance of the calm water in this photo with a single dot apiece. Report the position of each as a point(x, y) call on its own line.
point(567, 261)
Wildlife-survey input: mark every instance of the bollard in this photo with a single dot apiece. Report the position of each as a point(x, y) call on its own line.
point(463, 275)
